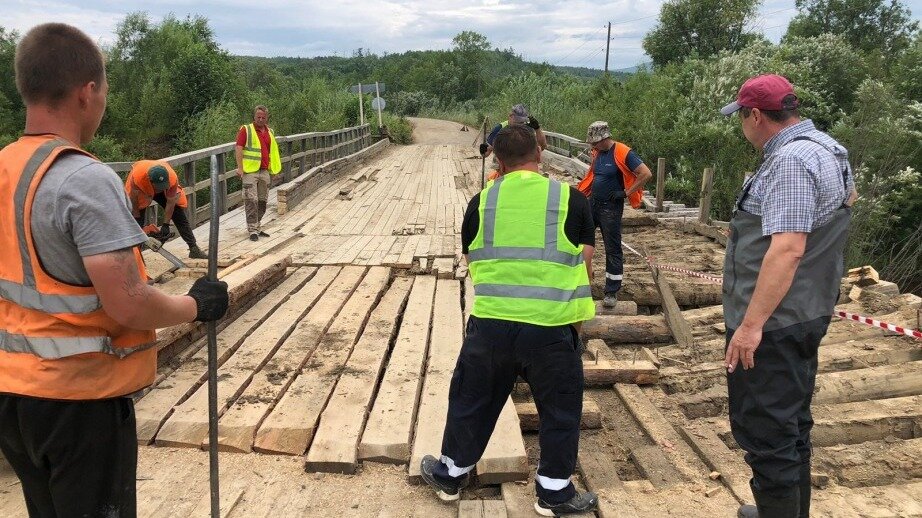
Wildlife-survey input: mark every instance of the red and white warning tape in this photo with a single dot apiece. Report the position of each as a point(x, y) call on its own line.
point(915, 333)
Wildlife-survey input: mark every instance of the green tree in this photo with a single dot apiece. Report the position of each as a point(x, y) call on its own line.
point(870, 25)
point(699, 28)
point(12, 111)
point(467, 70)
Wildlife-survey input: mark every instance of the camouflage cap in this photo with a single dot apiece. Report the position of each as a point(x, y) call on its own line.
point(519, 114)
point(597, 132)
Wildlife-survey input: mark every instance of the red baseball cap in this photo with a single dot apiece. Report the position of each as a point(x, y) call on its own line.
point(766, 92)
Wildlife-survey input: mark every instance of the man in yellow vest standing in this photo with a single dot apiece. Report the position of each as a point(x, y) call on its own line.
point(529, 242)
point(257, 158)
point(77, 317)
point(616, 173)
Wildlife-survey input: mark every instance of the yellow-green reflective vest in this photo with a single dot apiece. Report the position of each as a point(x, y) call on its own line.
point(523, 270)
point(253, 155)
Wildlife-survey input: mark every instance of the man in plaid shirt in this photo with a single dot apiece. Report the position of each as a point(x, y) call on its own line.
point(782, 271)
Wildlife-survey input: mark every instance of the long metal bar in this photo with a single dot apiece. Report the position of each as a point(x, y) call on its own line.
point(213, 348)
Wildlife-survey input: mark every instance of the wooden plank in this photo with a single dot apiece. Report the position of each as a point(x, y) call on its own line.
point(231, 495)
point(390, 423)
point(237, 426)
point(652, 463)
point(529, 422)
point(445, 344)
point(481, 509)
point(335, 444)
point(242, 285)
point(154, 408)
point(660, 431)
point(862, 421)
point(600, 473)
point(873, 383)
point(505, 459)
point(188, 425)
point(680, 328)
point(290, 426)
point(600, 373)
point(715, 454)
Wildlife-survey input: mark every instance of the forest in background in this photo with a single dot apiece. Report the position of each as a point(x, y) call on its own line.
point(856, 65)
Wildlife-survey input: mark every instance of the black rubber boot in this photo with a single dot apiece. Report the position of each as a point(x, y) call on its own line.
point(780, 504)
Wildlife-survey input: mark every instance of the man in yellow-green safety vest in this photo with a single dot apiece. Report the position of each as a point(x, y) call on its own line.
point(257, 157)
point(529, 243)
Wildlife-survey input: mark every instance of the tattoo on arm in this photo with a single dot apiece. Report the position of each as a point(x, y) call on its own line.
point(125, 265)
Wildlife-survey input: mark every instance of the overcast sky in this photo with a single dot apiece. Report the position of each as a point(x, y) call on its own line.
point(564, 32)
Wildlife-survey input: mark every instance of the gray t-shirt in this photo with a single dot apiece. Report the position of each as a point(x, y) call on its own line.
point(80, 209)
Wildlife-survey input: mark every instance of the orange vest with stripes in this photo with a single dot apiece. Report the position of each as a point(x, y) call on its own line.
point(139, 178)
point(621, 151)
point(56, 341)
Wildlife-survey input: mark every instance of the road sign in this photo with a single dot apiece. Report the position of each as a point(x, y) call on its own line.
point(378, 103)
point(366, 89)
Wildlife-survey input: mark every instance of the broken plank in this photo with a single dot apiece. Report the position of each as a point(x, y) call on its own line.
point(290, 427)
point(237, 426)
point(680, 328)
point(600, 473)
point(445, 345)
point(390, 424)
point(155, 406)
point(505, 459)
point(715, 454)
point(335, 444)
point(529, 421)
point(660, 431)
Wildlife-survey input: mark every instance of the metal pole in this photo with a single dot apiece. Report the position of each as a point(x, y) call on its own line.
point(378, 96)
point(607, 45)
point(213, 348)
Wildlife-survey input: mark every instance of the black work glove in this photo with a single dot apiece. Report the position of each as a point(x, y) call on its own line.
point(618, 195)
point(533, 123)
point(210, 299)
point(483, 149)
point(165, 229)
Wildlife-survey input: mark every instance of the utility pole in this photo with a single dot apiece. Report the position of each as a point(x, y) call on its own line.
point(607, 45)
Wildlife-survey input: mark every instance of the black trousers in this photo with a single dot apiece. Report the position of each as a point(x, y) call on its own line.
point(770, 405)
point(74, 459)
point(179, 219)
point(606, 215)
point(494, 354)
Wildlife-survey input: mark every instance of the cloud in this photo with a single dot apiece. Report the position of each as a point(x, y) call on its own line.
point(559, 32)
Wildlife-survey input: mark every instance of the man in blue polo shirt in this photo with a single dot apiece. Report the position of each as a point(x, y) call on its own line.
point(518, 115)
point(615, 174)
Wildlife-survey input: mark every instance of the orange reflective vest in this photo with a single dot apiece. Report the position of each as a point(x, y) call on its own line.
point(56, 341)
point(621, 151)
point(144, 195)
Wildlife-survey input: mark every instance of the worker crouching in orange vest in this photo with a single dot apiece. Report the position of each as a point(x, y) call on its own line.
point(155, 181)
point(77, 317)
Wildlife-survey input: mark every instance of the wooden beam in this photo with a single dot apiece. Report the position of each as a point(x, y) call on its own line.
point(660, 183)
point(482, 509)
point(505, 459)
point(680, 328)
point(862, 421)
point(335, 445)
point(707, 187)
point(601, 373)
point(390, 423)
point(715, 454)
point(290, 427)
point(600, 473)
point(628, 329)
point(528, 416)
point(445, 344)
point(873, 383)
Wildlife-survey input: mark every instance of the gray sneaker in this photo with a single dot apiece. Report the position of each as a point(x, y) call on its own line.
point(580, 503)
point(447, 489)
point(610, 300)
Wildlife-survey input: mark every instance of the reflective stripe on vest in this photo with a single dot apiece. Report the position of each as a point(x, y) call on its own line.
point(548, 253)
point(53, 348)
point(19, 201)
point(29, 297)
point(253, 150)
point(531, 292)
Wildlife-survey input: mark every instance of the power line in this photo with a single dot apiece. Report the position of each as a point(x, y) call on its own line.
point(581, 46)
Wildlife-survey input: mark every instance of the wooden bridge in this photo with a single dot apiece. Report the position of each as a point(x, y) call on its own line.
point(337, 354)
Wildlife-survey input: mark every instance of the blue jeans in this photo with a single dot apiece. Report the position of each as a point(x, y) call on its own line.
point(606, 214)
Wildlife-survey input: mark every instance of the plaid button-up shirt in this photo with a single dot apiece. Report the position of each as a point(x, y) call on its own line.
point(799, 184)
